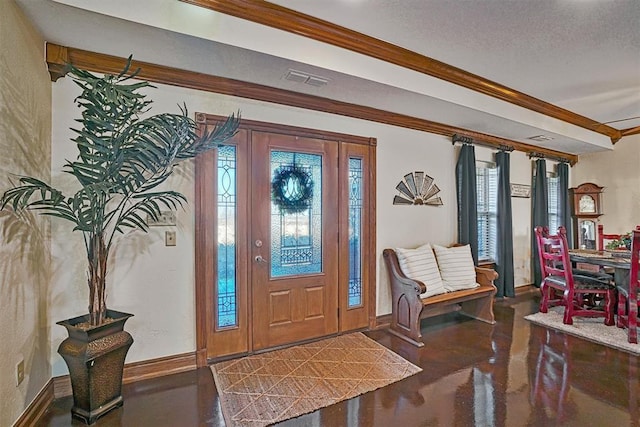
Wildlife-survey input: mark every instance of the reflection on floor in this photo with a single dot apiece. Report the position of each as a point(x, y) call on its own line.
point(550, 383)
point(511, 374)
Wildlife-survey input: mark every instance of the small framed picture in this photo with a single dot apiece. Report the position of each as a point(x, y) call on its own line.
point(520, 190)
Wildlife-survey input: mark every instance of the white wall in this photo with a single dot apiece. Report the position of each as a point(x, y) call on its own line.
point(156, 283)
point(618, 172)
point(25, 135)
point(521, 210)
point(409, 226)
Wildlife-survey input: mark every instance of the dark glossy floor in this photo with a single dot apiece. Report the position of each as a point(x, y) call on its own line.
point(511, 374)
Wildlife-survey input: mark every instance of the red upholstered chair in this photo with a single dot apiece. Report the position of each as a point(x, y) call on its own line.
point(577, 290)
point(628, 293)
point(602, 237)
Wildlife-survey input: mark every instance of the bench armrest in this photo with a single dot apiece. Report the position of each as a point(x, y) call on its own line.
point(485, 276)
point(398, 280)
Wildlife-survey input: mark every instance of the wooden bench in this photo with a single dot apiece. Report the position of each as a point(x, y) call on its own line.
point(408, 308)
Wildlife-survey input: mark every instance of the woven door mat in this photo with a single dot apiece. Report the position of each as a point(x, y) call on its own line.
point(267, 388)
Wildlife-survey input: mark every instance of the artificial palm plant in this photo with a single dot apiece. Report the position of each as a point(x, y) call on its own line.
point(122, 159)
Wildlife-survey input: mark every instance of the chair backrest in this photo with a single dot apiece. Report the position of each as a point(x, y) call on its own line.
point(602, 237)
point(553, 252)
point(635, 267)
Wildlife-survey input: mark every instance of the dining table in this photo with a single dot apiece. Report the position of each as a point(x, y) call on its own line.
point(620, 261)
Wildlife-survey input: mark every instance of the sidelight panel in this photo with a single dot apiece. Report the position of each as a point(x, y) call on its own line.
point(355, 232)
point(227, 304)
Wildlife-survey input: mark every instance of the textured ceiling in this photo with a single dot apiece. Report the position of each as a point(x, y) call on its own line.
point(582, 55)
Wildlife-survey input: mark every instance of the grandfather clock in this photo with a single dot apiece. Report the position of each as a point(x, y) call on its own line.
point(587, 208)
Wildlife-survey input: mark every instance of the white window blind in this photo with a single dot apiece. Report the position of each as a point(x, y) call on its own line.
point(487, 192)
point(552, 199)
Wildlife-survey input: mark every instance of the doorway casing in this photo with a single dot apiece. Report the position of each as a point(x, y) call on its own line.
point(214, 343)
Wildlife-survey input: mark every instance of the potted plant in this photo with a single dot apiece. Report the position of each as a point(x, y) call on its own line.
point(623, 243)
point(122, 159)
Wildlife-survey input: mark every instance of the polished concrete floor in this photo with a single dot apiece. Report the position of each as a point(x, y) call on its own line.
point(511, 374)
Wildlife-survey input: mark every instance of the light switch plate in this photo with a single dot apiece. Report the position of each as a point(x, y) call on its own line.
point(169, 238)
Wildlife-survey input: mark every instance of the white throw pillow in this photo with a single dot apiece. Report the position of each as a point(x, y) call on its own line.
point(456, 267)
point(420, 264)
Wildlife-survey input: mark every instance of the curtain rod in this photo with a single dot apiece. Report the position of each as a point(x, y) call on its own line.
point(535, 154)
point(468, 140)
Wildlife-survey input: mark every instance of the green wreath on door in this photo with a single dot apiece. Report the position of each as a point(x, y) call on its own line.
point(292, 189)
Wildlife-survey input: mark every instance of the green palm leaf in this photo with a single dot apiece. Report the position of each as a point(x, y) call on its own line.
point(122, 159)
point(37, 195)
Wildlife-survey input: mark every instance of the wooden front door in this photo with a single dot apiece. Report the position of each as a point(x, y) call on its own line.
point(294, 239)
point(279, 265)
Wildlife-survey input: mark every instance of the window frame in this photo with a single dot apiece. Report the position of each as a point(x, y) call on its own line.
point(487, 210)
point(553, 202)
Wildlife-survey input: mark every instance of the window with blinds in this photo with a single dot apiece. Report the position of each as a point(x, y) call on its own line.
point(553, 208)
point(487, 206)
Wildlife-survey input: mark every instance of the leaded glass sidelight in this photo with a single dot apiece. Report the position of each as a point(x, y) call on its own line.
point(355, 232)
point(227, 311)
point(296, 213)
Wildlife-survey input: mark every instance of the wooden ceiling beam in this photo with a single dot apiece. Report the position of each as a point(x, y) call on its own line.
point(59, 56)
point(282, 18)
point(631, 131)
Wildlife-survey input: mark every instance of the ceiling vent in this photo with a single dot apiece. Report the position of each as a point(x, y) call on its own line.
point(301, 77)
point(296, 76)
point(317, 81)
point(540, 138)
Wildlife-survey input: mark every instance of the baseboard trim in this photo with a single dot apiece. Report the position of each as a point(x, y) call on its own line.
point(525, 289)
point(138, 371)
point(61, 386)
point(162, 366)
point(383, 321)
point(37, 407)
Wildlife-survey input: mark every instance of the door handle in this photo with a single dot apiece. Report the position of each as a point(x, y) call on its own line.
point(260, 259)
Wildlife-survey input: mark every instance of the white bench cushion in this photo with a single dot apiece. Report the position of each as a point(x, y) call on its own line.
point(420, 264)
point(456, 267)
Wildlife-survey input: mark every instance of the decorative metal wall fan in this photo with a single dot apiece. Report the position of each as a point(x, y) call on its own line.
point(417, 188)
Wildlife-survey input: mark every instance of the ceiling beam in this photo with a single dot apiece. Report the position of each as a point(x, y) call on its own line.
point(630, 131)
point(59, 56)
point(282, 18)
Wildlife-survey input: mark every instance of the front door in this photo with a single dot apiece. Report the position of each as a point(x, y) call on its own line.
point(294, 238)
point(285, 238)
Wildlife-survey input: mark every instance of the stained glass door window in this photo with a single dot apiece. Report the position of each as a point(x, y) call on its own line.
point(227, 313)
point(355, 232)
point(296, 223)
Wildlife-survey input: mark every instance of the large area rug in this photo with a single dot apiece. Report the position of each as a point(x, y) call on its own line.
point(592, 329)
point(266, 388)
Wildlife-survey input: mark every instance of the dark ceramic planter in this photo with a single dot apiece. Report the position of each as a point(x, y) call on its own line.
point(95, 358)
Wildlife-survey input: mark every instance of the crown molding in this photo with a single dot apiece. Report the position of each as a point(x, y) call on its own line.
point(58, 58)
point(282, 18)
point(630, 131)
